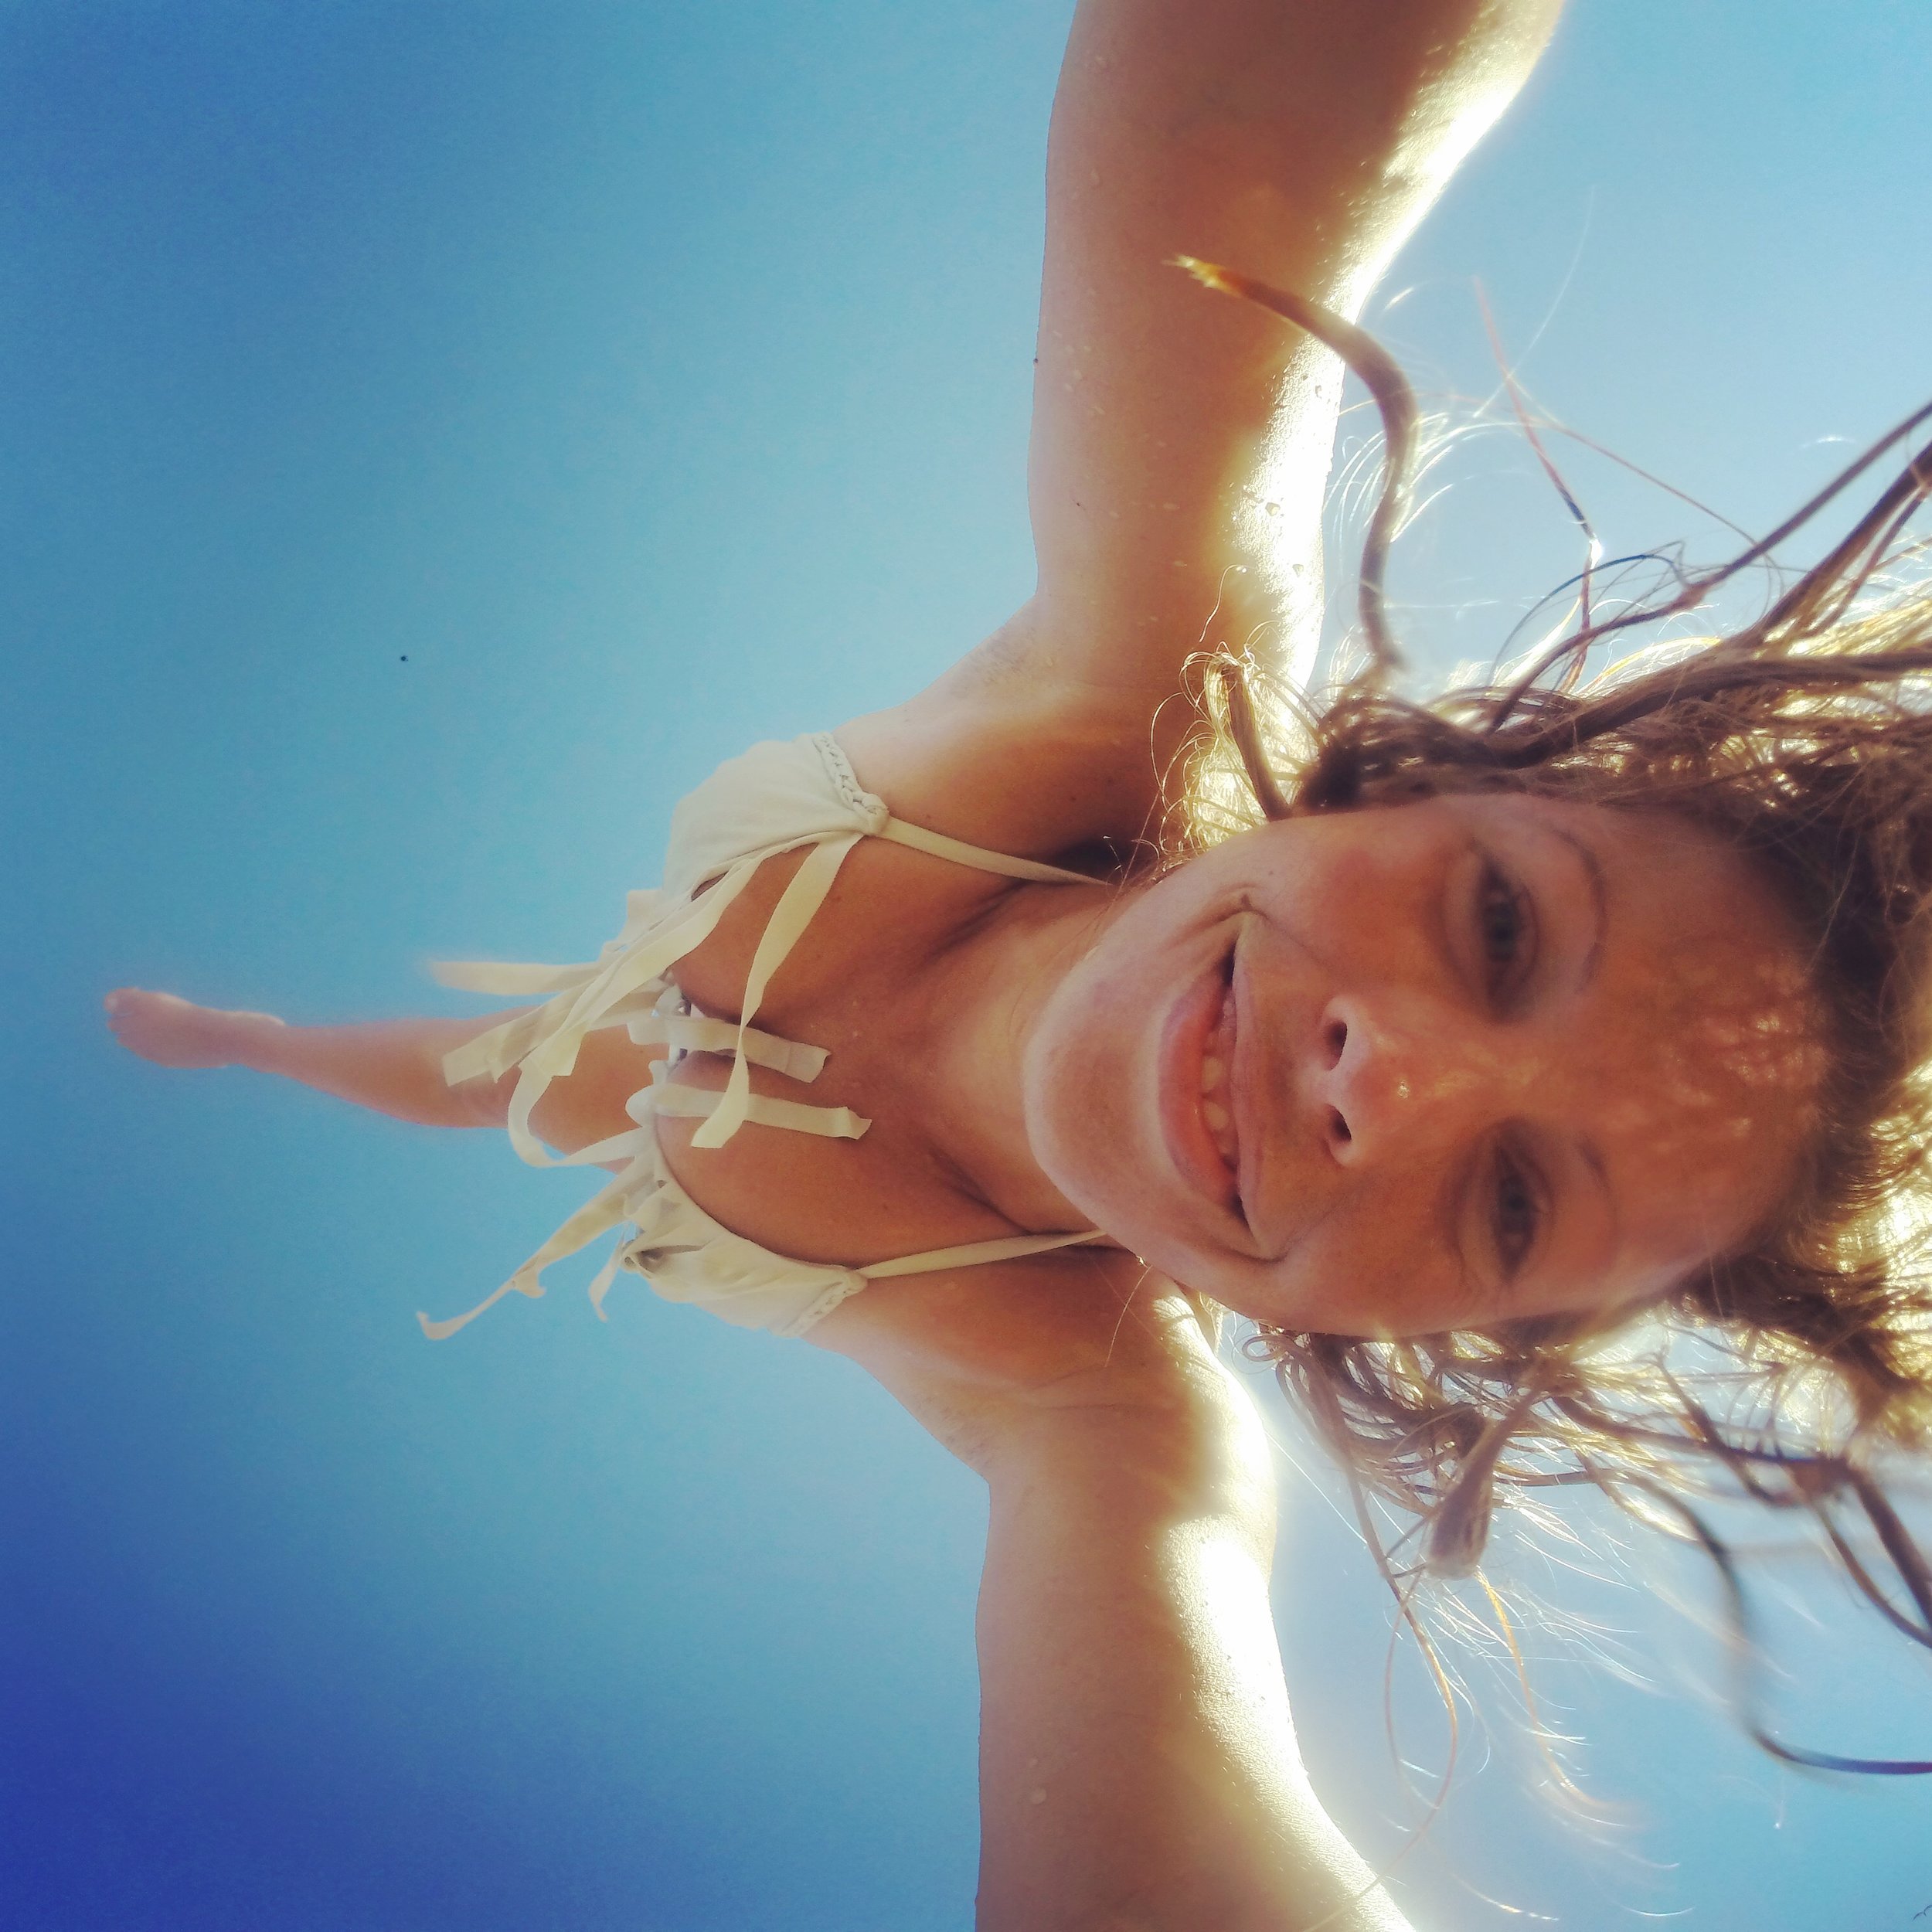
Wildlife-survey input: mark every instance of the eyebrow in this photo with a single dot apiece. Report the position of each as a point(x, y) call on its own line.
point(1587, 1147)
point(1451, 1210)
point(1593, 1159)
point(1599, 903)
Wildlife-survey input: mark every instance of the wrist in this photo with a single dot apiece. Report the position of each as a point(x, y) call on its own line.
point(256, 1040)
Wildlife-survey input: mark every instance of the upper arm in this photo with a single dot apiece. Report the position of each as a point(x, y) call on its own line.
point(1181, 439)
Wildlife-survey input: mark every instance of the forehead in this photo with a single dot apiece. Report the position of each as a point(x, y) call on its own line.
point(1665, 873)
point(1693, 1051)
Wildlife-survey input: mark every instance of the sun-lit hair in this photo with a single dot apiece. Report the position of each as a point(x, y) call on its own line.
point(1795, 1369)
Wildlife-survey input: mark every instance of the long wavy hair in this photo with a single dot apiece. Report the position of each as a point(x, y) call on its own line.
point(1795, 1371)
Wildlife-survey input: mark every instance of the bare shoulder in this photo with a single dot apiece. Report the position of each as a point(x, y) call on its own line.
point(1087, 1340)
point(1003, 753)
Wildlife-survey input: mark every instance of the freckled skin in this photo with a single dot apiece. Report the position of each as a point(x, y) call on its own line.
point(1653, 1068)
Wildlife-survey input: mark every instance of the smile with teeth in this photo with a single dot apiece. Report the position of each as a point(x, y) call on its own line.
point(1217, 1105)
point(1195, 1059)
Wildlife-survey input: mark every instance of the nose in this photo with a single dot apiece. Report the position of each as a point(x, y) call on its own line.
point(1384, 1076)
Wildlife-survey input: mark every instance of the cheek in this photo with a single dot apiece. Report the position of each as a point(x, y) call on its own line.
point(1362, 911)
point(1375, 1265)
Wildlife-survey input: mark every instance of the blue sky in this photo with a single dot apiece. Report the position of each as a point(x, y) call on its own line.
point(434, 437)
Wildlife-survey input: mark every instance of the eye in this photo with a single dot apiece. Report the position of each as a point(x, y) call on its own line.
point(1505, 930)
point(1516, 1211)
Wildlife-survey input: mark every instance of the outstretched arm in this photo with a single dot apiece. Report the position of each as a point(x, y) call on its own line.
point(1299, 140)
point(1138, 1763)
point(1178, 433)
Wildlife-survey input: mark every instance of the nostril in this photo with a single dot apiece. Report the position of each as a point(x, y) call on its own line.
point(1338, 1128)
point(1335, 1037)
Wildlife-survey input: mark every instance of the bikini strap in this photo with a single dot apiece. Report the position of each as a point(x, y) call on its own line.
point(967, 1254)
point(699, 1033)
point(805, 892)
point(684, 1103)
point(869, 812)
point(941, 846)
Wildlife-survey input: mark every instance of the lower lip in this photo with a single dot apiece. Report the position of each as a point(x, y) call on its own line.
point(1183, 1045)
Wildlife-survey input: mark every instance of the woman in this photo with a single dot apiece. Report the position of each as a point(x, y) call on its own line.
point(1490, 1056)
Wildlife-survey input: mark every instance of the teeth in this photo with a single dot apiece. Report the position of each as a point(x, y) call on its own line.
point(1215, 1070)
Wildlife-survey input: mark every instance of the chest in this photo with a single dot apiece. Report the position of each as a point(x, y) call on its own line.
point(864, 981)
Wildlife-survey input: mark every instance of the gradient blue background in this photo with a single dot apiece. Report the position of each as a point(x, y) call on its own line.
point(430, 437)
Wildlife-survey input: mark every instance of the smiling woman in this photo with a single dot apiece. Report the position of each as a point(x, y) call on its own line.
point(1496, 1028)
point(1469, 1058)
point(1742, 1068)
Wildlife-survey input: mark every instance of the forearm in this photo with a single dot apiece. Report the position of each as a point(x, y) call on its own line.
point(1312, 135)
point(1138, 1764)
point(1300, 143)
point(1181, 438)
point(392, 1066)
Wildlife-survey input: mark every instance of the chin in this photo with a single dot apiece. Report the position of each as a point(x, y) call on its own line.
point(1224, 1280)
point(1092, 1156)
point(1104, 1165)
point(1126, 1191)
point(1093, 1082)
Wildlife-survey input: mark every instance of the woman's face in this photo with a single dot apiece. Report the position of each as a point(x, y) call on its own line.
point(1432, 1065)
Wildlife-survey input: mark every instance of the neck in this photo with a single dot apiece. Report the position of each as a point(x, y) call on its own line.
point(989, 993)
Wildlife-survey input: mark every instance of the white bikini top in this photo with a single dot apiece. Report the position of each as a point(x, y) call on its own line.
point(774, 798)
